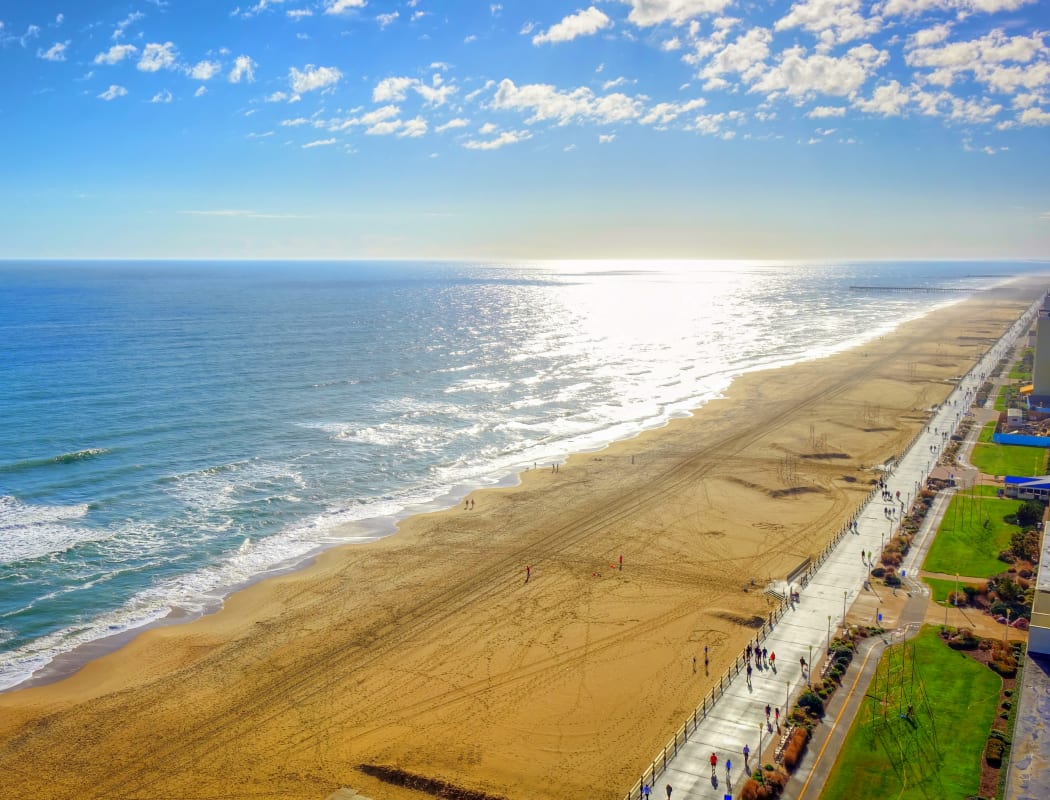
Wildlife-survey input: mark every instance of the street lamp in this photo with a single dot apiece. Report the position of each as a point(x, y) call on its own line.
point(844, 593)
point(787, 694)
point(760, 744)
point(829, 633)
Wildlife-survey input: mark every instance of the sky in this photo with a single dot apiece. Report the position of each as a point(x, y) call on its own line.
point(706, 129)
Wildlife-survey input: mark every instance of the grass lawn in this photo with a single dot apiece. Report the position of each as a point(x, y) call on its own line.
point(1000, 399)
point(964, 545)
point(937, 752)
point(987, 432)
point(1008, 459)
point(940, 589)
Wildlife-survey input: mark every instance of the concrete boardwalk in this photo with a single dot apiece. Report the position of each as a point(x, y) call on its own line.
point(737, 717)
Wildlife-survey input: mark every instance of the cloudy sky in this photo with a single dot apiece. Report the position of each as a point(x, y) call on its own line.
point(539, 129)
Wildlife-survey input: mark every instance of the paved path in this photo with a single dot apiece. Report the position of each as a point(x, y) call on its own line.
point(738, 716)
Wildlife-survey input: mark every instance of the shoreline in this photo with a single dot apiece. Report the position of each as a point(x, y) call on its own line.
point(751, 480)
point(371, 529)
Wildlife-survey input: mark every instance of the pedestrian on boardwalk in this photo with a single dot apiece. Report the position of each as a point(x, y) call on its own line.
point(668, 791)
point(714, 763)
point(764, 654)
point(645, 791)
point(747, 755)
point(769, 710)
point(749, 674)
point(729, 768)
point(772, 659)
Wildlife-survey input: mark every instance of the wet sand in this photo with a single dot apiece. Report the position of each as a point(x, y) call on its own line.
point(429, 651)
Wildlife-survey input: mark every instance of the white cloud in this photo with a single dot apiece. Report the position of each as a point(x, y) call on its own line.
point(606, 138)
point(670, 45)
point(157, 57)
point(57, 52)
point(910, 8)
point(452, 123)
point(824, 112)
point(712, 124)
point(987, 59)
point(294, 123)
point(385, 20)
point(889, 100)
point(545, 102)
point(504, 139)
point(1034, 116)
point(243, 69)
point(343, 6)
point(162, 97)
point(201, 91)
point(318, 143)
point(528, 28)
point(833, 22)
point(745, 57)
point(413, 128)
point(665, 113)
point(276, 97)
point(299, 13)
point(312, 78)
point(117, 52)
point(801, 75)
point(205, 70)
point(646, 13)
point(113, 92)
point(582, 23)
point(931, 36)
point(396, 89)
point(124, 24)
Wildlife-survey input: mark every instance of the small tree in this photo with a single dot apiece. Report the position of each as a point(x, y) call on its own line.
point(1030, 513)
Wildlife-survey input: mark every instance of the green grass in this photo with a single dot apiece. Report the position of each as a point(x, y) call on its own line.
point(1008, 459)
point(1000, 399)
point(987, 432)
point(935, 754)
point(964, 545)
point(940, 589)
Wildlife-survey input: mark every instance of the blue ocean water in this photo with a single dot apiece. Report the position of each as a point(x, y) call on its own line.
point(171, 430)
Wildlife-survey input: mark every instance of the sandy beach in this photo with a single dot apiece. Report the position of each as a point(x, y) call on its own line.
point(429, 650)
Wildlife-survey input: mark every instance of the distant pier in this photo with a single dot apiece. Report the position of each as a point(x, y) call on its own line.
point(909, 289)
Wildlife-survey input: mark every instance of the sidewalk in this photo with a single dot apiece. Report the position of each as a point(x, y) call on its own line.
point(738, 716)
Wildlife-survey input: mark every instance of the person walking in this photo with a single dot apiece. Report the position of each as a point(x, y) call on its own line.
point(645, 791)
point(749, 674)
point(668, 791)
point(729, 769)
point(769, 710)
point(747, 755)
point(772, 659)
point(714, 764)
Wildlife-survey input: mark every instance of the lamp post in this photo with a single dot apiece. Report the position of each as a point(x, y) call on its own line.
point(809, 681)
point(787, 695)
point(760, 744)
point(844, 593)
point(829, 633)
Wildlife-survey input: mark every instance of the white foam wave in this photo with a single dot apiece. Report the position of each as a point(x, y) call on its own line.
point(29, 531)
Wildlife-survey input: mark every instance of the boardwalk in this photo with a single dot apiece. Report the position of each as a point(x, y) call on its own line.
point(737, 717)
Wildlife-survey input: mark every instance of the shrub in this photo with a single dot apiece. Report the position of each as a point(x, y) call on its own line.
point(993, 752)
point(812, 704)
point(795, 747)
point(878, 572)
point(893, 579)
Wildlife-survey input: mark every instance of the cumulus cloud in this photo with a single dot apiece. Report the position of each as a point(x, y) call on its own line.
point(666, 113)
point(113, 92)
point(343, 6)
point(164, 96)
point(385, 20)
point(395, 89)
point(127, 22)
point(156, 57)
point(799, 74)
point(452, 123)
point(117, 52)
point(545, 102)
point(745, 57)
point(646, 13)
point(823, 112)
point(57, 52)
point(504, 139)
point(582, 23)
point(888, 100)
point(318, 143)
point(833, 22)
point(205, 70)
point(911, 8)
point(243, 69)
point(201, 91)
point(312, 78)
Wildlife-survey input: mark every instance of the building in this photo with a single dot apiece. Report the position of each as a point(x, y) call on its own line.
point(1041, 361)
point(1027, 488)
point(1039, 628)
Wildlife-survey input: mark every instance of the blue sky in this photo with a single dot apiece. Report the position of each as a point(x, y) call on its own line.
point(618, 128)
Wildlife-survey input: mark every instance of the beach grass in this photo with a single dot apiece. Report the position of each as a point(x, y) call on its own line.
point(934, 752)
point(1003, 459)
point(971, 535)
point(987, 432)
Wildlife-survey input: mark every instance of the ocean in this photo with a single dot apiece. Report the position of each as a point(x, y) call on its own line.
point(172, 430)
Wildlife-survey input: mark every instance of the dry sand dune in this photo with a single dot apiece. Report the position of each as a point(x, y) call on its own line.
point(430, 652)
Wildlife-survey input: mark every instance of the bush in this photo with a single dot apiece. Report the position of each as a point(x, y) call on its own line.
point(795, 748)
point(812, 704)
point(893, 579)
point(993, 752)
point(878, 572)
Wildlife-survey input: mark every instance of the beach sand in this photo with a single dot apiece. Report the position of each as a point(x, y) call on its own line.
point(428, 650)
